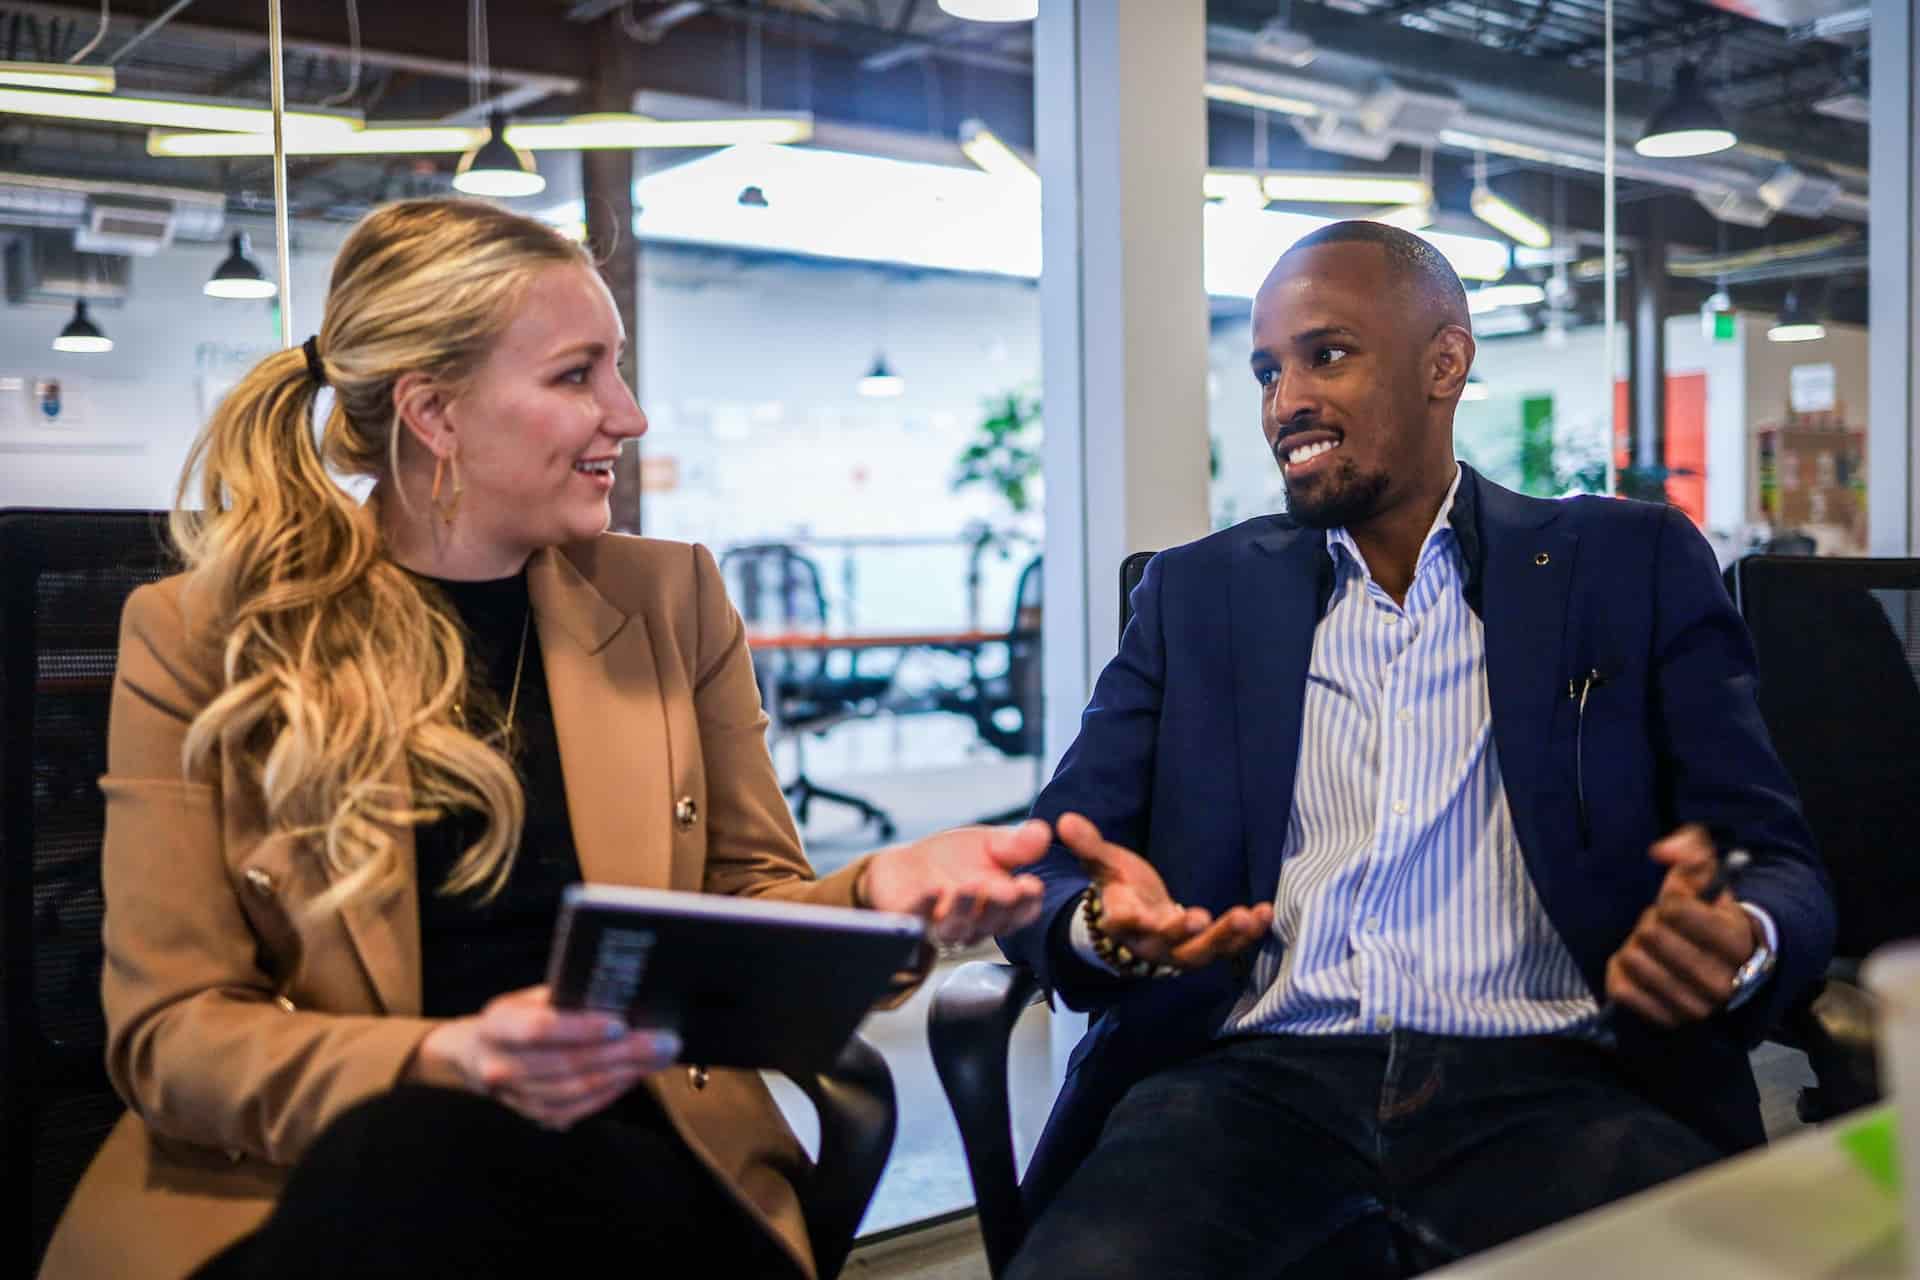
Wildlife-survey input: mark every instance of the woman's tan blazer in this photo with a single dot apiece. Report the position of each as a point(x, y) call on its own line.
point(238, 1027)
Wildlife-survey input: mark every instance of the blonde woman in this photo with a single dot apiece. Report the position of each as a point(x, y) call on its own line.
point(356, 752)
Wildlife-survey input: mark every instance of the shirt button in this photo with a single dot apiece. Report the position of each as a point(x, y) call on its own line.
point(1383, 1021)
point(1405, 715)
point(697, 1076)
point(261, 882)
point(1391, 618)
point(1373, 924)
point(685, 812)
point(1400, 807)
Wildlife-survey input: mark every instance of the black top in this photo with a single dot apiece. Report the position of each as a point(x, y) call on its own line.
point(472, 951)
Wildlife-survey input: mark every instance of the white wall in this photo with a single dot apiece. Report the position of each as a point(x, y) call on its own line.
point(129, 415)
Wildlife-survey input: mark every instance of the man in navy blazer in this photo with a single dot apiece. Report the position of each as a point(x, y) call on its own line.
point(1389, 838)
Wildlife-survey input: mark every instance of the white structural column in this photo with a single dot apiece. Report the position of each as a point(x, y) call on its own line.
point(1120, 119)
point(1120, 124)
point(1893, 415)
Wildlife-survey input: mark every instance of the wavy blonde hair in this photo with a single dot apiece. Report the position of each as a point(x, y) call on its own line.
point(339, 668)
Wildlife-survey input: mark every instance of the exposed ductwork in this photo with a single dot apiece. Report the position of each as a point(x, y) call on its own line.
point(44, 267)
point(1345, 102)
point(112, 217)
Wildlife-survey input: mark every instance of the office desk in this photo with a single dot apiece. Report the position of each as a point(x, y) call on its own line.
point(820, 641)
point(1800, 1209)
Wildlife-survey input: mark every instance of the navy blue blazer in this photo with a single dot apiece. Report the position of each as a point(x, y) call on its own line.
point(1187, 754)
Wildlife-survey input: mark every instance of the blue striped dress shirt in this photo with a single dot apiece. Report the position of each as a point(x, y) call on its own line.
point(1404, 901)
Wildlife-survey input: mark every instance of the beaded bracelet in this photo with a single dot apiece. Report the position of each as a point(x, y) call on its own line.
point(1117, 955)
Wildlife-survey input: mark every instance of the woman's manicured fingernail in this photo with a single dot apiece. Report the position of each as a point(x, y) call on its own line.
point(666, 1044)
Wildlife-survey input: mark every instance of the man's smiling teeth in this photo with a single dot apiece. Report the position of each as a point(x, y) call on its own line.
point(1307, 452)
point(602, 467)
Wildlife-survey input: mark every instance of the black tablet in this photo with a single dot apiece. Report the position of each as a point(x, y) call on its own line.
point(746, 982)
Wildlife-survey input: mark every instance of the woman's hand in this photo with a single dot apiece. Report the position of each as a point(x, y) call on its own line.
point(554, 1068)
point(1138, 913)
point(962, 882)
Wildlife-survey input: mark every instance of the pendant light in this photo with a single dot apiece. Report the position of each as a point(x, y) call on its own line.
point(881, 382)
point(81, 334)
point(992, 10)
point(1687, 123)
point(496, 167)
point(1797, 322)
point(239, 276)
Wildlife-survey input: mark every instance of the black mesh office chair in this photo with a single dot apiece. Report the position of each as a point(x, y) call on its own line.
point(1839, 647)
point(1005, 705)
point(969, 1025)
point(775, 588)
point(64, 576)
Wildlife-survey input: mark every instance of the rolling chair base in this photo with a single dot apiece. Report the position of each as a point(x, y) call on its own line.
point(803, 791)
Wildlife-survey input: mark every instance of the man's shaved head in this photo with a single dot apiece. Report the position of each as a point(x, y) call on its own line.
point(1420, 272)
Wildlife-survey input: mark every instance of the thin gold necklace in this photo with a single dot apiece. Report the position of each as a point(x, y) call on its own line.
point(513, 698)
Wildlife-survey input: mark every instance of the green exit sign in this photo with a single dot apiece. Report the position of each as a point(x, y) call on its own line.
point(1719, 326)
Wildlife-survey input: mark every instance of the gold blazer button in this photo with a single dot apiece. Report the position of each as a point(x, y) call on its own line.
point(685, 812)
point(261, 882)
point(697, 1076)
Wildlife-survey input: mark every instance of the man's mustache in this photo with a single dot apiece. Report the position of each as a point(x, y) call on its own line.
point(1299, 425)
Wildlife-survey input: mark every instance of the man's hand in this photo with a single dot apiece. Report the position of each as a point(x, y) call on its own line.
point(965, 883)
point(1678, 965)
point(1138, 914)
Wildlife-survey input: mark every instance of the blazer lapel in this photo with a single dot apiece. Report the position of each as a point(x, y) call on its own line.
point(609, 715)
point(1528, 577)
point(1275, 603)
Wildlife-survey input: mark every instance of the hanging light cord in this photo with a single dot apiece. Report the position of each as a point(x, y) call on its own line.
point(98, 36)
point(479, 56)
point(353, 58)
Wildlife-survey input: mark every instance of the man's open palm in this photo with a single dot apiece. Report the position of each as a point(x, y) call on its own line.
point(1137, 913)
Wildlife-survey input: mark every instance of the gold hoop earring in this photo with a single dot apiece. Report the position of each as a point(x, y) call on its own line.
point(446, 509)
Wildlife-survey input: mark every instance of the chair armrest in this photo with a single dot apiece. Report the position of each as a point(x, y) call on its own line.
point(969, 1026)
point(855, 1102)
point(1836, 1031)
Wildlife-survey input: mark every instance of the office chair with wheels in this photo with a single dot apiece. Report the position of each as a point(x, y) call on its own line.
point(1005, 706)
point(1838, 642)
point(775, 588)
point(64, 577)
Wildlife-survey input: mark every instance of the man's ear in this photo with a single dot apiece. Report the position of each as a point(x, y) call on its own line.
point(1449, 359)
point(421, 405)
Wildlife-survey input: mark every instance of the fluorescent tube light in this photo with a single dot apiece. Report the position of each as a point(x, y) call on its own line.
point(984, 147)
point(1345, 188)
point(57, 75)
point(165, 113)
point(607, 131)
point(1260, 100)
point(1495, 296)
point(1509, 220)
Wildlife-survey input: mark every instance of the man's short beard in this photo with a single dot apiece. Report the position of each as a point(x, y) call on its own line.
point(1343, 498)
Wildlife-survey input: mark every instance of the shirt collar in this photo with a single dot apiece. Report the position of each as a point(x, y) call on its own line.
point(1444, 521)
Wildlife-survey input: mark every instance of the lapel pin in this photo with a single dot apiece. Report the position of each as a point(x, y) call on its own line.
point(1542, 558)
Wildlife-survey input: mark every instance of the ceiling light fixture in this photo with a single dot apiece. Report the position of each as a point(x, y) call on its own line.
point(1260, 100)
point(238, 275)
point(57, 75)
point(81, 334)
point(1515, 293)
point(992, 10)
point(991, 155)
point(1687, 123)
point(167, 113)
point(1797, 322)
point(1408, 217)
point(1510, 221)
point(1344, 188)
point(608, 131)
point(881, 382)
point(497, 168)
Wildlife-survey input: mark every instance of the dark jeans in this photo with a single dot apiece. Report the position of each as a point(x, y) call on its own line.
point(433, 1182)
point(1350, 1157)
